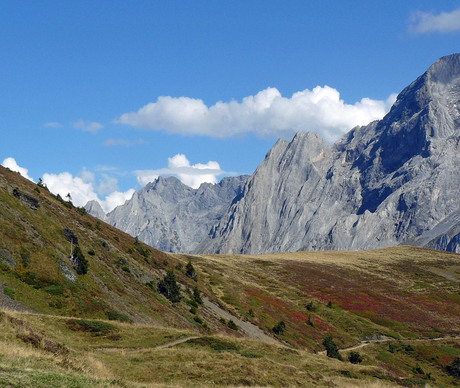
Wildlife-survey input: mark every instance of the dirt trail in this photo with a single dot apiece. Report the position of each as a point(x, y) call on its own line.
point(362, 344)
point(176, 342)
point(143, 350)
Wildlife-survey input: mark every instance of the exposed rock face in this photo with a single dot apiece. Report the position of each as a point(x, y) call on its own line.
point(27, 199)
point(171, 216)
point(379, 185)
point(95, 209)
point(444, 236)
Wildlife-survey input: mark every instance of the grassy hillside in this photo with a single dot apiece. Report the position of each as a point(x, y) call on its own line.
point(241, 320)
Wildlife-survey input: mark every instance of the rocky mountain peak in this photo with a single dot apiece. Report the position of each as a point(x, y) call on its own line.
point(379, 185)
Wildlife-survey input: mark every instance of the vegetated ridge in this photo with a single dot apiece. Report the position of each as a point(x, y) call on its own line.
point(108, 310)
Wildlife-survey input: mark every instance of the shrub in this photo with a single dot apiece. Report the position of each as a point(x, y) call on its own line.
point(117, 316)
point(332, 350)
point(193, 310)
point(151, 285)
point(232, 325)
point(197, 295)
point(355, 358)
point(9, 292)
point(216, 344)
point(279, 328)
point(197, 319)
point(169, 288)
point(454, 368)
point(25, 256)
point(192, 302)
point(90, 326)
point(81, 211)
point(142, 251)
point(91, 252)
point(54, 289)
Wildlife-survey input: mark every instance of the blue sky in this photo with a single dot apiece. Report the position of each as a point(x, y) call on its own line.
point(99, 97)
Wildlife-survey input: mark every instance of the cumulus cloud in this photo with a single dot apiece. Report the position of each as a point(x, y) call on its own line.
point(444, 22)
point(82, 189)
point(267, 113)
point(13, 166)
point(123, 142)
point(87, 126)
point(115, 199)
point(179, 166)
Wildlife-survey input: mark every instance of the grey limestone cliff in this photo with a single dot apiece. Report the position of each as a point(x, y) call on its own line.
point(95, 209)
point(171, 216)
point(380, 185)
point(444, 236)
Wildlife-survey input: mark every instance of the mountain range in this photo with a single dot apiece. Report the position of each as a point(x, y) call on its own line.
point(393, 181)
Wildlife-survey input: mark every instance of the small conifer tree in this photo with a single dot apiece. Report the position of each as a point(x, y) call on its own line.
point(332, 350)
point(190, 270)
point(279, 328)
point(169, 288)
point(197, 295)
point(81, 265)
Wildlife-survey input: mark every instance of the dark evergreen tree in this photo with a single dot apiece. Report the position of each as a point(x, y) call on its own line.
point(169, 288)
point(190, 270)
point(80, 263)
point(197, 295)
point(332, 350)
point(279, 328)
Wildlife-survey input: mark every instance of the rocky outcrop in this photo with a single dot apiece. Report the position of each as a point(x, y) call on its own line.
point(444, 236)
point(379, 185)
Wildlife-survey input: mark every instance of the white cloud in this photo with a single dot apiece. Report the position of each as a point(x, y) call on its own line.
point(92, 126)
point(82, 189)
point(115, 199)
point(267, 113)
point(444, 22)
point(53, 124)
point(13, 166)
point(179, 166)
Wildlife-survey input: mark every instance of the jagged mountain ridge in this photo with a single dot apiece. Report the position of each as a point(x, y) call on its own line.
point(379, 185)
point(172, 216)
